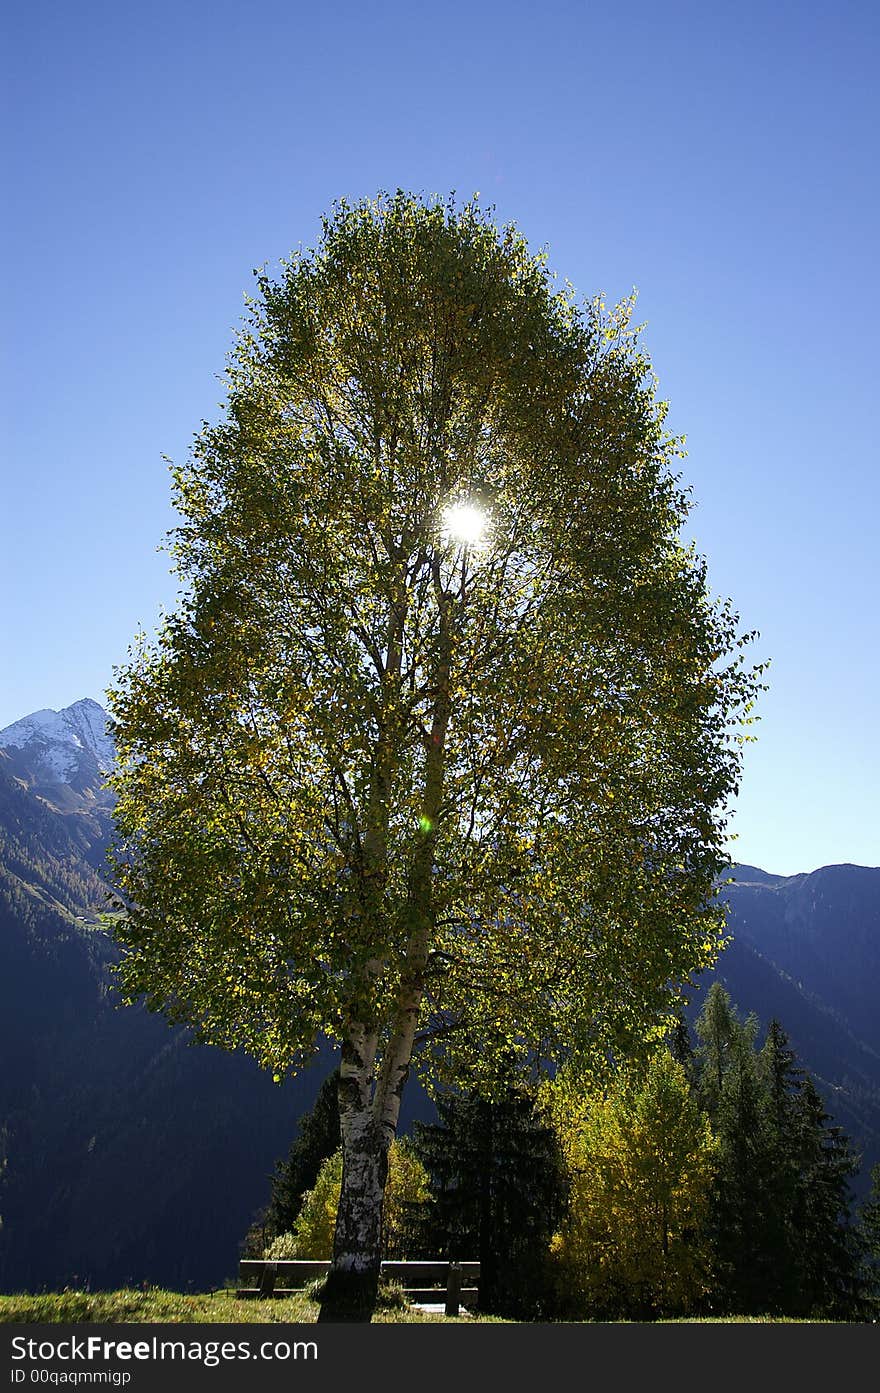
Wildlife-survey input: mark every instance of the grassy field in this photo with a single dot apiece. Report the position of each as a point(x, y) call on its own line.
point(170, 1307)
point(136, 1307)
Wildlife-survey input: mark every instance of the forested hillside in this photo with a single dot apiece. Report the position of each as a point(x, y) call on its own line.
point(805, 949)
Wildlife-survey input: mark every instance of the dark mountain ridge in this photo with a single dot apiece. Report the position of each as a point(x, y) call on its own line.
point(805, 949)
point(823, 930)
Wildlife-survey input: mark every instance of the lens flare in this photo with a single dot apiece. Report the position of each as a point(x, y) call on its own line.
point(464, 523)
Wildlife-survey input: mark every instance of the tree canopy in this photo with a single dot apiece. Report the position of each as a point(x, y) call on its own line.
point(434, 754)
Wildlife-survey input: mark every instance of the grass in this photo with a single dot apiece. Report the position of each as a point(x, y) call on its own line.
point(134, 1306)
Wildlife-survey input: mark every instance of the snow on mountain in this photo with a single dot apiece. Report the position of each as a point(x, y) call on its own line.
point(88, 720)
point(57, 744)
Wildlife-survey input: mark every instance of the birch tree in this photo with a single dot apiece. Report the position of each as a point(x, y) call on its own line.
point(433, 756)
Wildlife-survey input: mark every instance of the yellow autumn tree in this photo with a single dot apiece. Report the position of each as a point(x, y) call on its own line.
point(641, 1156)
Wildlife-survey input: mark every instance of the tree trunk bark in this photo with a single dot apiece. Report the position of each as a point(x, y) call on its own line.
point(353, 1281)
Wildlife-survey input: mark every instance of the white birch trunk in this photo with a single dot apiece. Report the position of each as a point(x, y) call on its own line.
point(350, 1292)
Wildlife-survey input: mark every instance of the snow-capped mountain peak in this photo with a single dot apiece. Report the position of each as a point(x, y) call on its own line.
point(62, 746)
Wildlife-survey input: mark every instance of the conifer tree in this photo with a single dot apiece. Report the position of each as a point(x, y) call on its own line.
point(716, 1027)
point(782, 1075)
point(680, 1047)
point(783, 1081)
point(782, 1231)
point(498, 1192)
point(829, 1248)
point(733, 1091)
point(869, 1231)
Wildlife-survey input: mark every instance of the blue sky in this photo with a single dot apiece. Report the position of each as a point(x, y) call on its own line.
point(719, 158)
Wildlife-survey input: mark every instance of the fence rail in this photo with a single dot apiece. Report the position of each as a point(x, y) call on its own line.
point(424, 1281)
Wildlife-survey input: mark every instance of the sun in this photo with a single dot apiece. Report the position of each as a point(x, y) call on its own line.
point(464, 523)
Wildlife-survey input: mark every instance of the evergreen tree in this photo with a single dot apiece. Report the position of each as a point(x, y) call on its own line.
point(717, 1027)
point(828, 1245)
point(680, 1047)
point(732, 1089)
point(783, 1080)
point(783, 1237)
point(782, 1075)
point(869, 1232)
point(743, 1201)
point(498, 1192)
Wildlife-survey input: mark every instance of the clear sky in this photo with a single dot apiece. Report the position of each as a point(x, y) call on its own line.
point(721, 158)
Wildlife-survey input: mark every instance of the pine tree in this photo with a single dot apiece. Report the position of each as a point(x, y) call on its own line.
point(783, 1080)
point(782, 1074)
point(733, 1091)
point(869, 1231)
point(829, 1248)
point(717, 1028)
point(680, 1046)
point(783, 1236)
point(498, 1192)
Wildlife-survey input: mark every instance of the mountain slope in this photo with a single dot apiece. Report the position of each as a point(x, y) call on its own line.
point(823, 930)
point(62, 755)
point(126, 1154)
point(806, 950)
